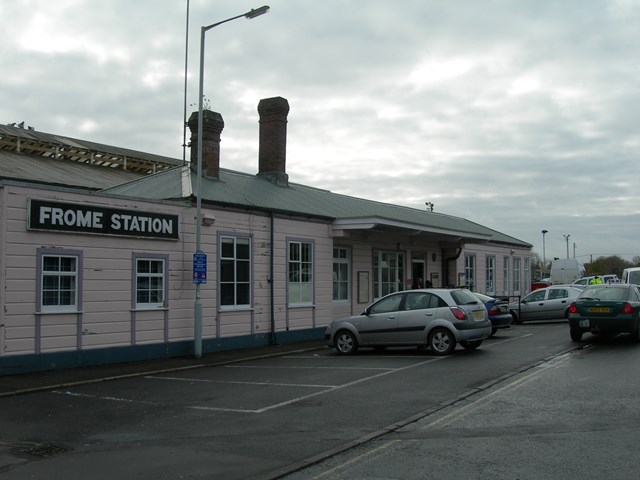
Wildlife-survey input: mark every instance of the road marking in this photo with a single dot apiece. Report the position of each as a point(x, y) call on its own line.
point(360, 459)
point(258, 367)
point(323, 392)
point(270, 384)
point(461, 411)
point(102, 397)
point(498, 342)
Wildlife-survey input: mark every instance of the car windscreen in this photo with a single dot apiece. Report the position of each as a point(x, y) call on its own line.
point(464, 297)
point(613, 294)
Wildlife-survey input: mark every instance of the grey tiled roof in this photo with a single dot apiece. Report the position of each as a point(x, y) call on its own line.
point(236, 189)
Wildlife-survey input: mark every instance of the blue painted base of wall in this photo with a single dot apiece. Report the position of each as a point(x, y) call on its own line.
point(13, 365)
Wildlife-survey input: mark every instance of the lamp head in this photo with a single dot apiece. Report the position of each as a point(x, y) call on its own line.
point(257, 12)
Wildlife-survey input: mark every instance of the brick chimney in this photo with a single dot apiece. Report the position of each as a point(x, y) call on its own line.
point(273, 140)
point(212, 127)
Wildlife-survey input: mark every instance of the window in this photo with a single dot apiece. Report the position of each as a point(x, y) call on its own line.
point(527, 274)
point(150, 282)
point(235, 271)
point(58, 286)
point(388, 273)
point(556, 293)
point(516, 275)
point(341, 274)
point(491, 275)
point(421, 301)
point(505, 279)
point(470, 271)
point(386, 305)
point(300, 273)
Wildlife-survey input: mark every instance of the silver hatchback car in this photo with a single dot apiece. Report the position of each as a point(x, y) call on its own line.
point(438, 318)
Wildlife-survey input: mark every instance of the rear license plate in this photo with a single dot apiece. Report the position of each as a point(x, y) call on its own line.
point(478, 315)
point(599, 309)
point(584, 323)
point(503, 308)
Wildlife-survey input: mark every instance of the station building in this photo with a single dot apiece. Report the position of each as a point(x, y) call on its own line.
point(97, 250)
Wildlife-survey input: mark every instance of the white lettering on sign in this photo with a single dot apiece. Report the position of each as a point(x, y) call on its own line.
point(138, 223)
point(64, 217)
point(71, 218)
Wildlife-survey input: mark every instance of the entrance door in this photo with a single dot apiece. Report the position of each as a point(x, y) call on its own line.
point(418, 272)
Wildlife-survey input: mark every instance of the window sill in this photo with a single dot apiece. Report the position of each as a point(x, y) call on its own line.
point(59, 312)
point(149, 309)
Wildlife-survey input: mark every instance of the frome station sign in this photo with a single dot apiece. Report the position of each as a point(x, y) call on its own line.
point(69, 217)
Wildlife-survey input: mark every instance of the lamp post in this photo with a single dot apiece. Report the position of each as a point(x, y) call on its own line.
point(197, 323)
point(566, 239)
point(544, 255)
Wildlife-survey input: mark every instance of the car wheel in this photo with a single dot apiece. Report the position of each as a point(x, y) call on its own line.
point(345, 343)
point(442, 341)
point(516, 318)
point(470, 344)
point(576, 334)
point(635, 336)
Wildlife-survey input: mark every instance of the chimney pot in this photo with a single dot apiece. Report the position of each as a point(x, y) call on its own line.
point(273, 139)
point(212, 126)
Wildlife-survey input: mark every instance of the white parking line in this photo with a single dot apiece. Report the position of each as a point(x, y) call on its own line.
point(323, 392)
point(271, 384)
point(273, 367)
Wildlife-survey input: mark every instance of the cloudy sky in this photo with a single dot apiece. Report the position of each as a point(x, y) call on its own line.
point(521, 115)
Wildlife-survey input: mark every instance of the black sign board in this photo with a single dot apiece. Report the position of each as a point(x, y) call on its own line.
point(70, 217)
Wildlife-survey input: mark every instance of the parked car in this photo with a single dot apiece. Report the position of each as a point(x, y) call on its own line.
point(544, 303)
point(631, 275)
point(607, 309)
point(584, 281)
point(438, 318)
point(498, 311)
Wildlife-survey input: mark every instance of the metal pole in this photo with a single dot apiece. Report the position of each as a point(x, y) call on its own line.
point(197, 307)
point(544, 256)
point(197, 314)
point(186, 66)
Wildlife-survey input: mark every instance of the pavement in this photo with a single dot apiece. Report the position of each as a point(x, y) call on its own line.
point(41, 381)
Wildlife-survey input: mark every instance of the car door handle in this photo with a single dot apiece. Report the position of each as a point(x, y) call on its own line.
point(428, 314)
point(391, 317)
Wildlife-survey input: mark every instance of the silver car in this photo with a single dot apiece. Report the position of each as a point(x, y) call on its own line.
point(438, 318)
point(544, 304)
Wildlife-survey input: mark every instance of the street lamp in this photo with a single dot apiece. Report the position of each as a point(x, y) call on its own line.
point(566, 239)
point(544, 255)
point(197, 323)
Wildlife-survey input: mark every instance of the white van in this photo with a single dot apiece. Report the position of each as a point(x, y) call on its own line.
point(631, 275)
point(566, 271)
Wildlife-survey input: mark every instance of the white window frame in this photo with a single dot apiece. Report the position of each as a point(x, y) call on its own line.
point(505, 280)
point(341, 274)
point(388, 272)
point(470, 272)
point(152, 277)
point(75, 288)
point(236, 261)
point(516, 275)
point(300, 273)
point(491, 275)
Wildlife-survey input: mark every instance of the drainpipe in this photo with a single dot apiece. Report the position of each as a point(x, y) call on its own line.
point(445, 265)
point(271, 282)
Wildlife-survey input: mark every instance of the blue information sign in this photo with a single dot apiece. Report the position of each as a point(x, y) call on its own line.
point(199, 268)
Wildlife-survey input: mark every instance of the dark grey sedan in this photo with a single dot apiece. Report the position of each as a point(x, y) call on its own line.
point(438, 318)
